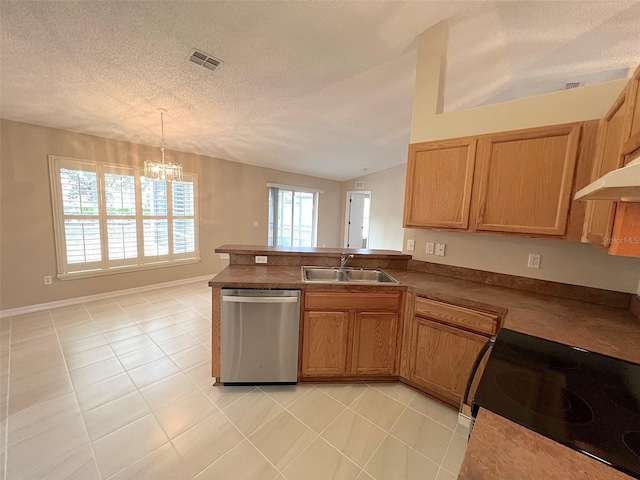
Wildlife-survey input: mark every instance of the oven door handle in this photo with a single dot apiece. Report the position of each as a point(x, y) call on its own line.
point(474, 369)
point(235, 299)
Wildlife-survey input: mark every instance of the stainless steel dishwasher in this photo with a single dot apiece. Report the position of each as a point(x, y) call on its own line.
point(259, 336)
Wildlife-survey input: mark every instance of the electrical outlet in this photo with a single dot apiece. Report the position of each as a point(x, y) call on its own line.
point(47, 280)
point(411, 245)
point(534, 261)
point(440, 249)
point(430, 247)
point(255, 223)
point(261, 259)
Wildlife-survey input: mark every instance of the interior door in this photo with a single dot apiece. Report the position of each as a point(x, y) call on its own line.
point(357, 211)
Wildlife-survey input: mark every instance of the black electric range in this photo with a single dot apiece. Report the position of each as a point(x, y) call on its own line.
point(584, 400)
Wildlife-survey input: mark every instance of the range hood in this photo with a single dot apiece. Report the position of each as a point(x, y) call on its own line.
point(621, 185)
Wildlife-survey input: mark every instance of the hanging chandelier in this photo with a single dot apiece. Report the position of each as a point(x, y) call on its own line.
point(162, 171)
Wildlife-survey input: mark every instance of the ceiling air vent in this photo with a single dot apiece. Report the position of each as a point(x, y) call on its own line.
point(570, 85)
point(203, 59)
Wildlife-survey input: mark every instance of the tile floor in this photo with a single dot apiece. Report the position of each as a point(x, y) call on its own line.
point(120, 389)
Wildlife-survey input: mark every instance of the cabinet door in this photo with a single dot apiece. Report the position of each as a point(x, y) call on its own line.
point(374, 343)
point(525, 180)
point(442, 358)
point(439, 179)
point(600, 214)
point(634, 99)
point(626, 228)
point(325, 339)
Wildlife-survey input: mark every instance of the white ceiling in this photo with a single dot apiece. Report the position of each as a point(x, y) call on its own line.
point(322, 88)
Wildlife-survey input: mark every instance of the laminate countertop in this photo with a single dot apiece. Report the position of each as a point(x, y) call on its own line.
point(502, 450)
point(607, 330)
point(499, 449)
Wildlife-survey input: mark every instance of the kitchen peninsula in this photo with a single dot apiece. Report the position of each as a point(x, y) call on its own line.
point(436, 305)
point(593, 319)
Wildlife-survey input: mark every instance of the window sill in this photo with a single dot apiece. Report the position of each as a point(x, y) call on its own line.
point(126, 269)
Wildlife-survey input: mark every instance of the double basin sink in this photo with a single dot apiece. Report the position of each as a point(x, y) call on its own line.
point(345, 275)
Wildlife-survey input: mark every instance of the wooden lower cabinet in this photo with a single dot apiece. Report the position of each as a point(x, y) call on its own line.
point(374, 343)
point(442, 358)
point(325, 340)
point(440, 343)
point(338, 341)
point(432, 347)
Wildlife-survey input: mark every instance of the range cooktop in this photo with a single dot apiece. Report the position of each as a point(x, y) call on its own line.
point(584, 400)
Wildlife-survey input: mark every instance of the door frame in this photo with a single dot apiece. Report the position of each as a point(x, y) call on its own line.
point(346, 215)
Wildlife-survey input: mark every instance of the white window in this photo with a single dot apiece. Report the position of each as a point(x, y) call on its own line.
point(110, 219)
point(293, 216)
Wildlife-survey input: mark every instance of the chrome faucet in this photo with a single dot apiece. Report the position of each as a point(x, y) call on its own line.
point(344, 259)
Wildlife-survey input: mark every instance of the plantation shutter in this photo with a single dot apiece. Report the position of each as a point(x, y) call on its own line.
point(184, 236)
point(79, 199)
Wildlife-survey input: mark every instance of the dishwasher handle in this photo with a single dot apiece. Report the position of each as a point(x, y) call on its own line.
point(237, 299)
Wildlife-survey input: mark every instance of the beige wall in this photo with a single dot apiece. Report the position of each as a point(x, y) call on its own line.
point(429, 123)
point(561, 261)
point(231, 197)
point(387, 203)
point(565, 262)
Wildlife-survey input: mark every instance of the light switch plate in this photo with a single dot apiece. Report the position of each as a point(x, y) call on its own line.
point(440, 249)
point(261, 259)
point(411, 245)
point(430, 247)
point(255, 223)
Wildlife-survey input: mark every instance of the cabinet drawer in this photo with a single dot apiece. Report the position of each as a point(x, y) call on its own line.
point(473, 320)
point(351, 301)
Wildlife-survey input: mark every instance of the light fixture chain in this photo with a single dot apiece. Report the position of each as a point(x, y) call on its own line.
point(162, 141)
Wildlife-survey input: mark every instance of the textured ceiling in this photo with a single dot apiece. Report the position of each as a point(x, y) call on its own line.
point(323, 88)
point(500, 51)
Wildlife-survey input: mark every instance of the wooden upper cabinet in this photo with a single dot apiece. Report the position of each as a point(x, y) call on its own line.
point(601, 214)
point(439, 181)
point(525, 180)
point(325, 336)
point(626, 228)
point(374, 343)
point(633, 123)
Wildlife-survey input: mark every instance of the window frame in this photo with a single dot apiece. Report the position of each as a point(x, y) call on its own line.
point(67, 271)
point(272, 204)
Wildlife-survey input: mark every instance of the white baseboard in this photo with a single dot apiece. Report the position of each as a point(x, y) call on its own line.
point(98, 296)
point(464, 420)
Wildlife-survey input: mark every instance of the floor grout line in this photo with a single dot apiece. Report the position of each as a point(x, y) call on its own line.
point(169, 440)
point(102, 334)
point(73, 389)
point(246, 437)
point(383, 440)
point(186, 298)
